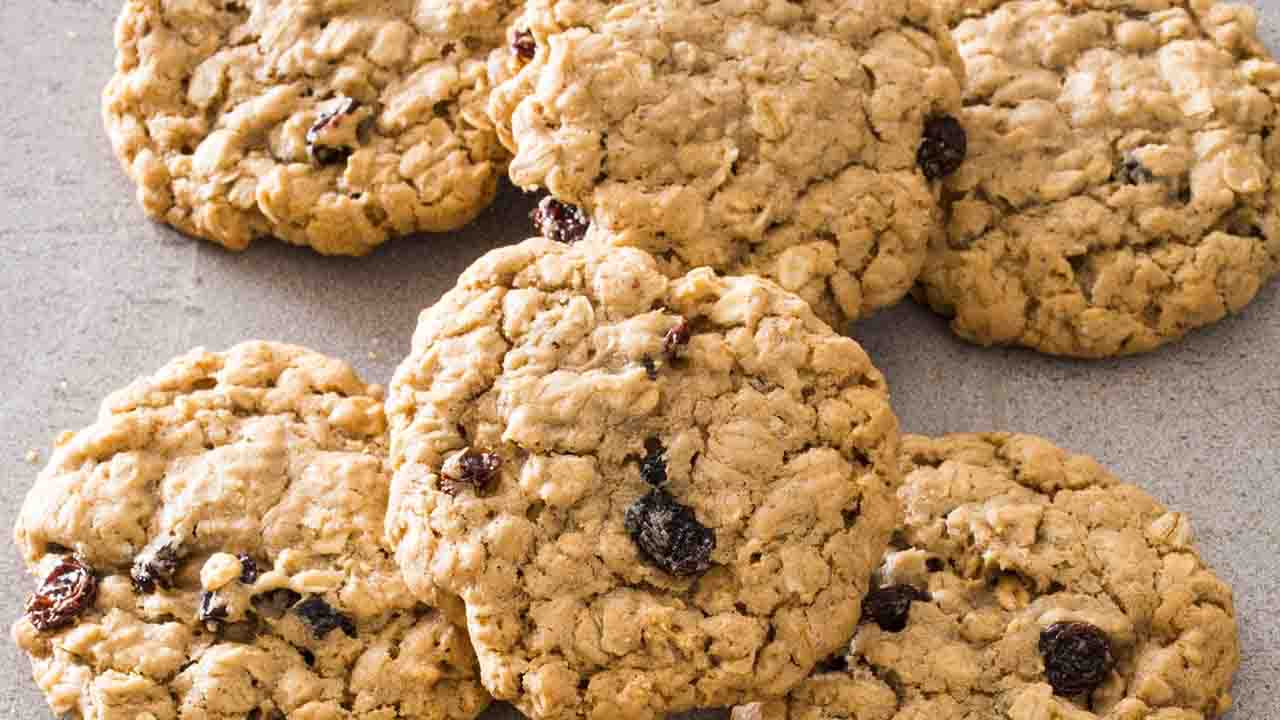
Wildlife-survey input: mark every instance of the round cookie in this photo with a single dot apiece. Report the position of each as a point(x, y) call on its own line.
point(1028, 583)
point(1121, 187)
point(651, 494)
point(796, 141)
point(211, 547)
point(330, 123)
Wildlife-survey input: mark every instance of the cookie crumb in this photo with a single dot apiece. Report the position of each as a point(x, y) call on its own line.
point(32, 456)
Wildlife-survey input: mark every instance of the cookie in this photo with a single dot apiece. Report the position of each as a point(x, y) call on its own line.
point(211, 547)
point(330, 124)
point(1028, 583)
point(651, 494)
point(797, 141)
point(1120, 189)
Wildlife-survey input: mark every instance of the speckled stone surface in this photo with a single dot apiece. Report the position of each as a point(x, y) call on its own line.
point(95, 295)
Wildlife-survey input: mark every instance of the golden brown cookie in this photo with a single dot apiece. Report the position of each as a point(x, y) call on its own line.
point(1028, 583)
point(211, 547)
point(799, 141)
point(652, 494)
point(1121, 187)
point(331, 124)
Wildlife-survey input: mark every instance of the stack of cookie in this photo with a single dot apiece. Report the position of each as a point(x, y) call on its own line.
point(628, 467)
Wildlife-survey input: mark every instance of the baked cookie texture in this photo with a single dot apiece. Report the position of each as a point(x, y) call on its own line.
point(1121, 186)
point(328, 123)
point(230, 511)
point(1009, 535)
point(754, 137)
point(651, 494)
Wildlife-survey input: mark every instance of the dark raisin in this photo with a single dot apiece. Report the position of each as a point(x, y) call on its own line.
point(68, 590)
point(559, 222)
point(653, 468)
point(890, 606)
point(676, 338)
point(155, 569)
point(1244, 225)
point(248, 570)
point(669, 535)
point(524, 46)
point(275, 603)
point(477, 471)
point(322, 619)
point(212, 610)
point(833, 664)
point(1133, 172)
point(1077, 657)
point(325, 155)
point(934, 564)
point(321, 153)
point(943, 148)
point(650, 368)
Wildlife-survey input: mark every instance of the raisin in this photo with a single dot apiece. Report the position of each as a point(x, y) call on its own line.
point(650, 368)
point(833, 664)
point(653, 468)
point(669, 535)
point(212, 612)
point(68, 590)
point(478, 471)
point(1077, 657)
point(1244, 227)
point(1133, 172)
point(325, 155)
point(559, 221)
point(943, 148)
point(890, 606)
point(524, 46)
point(934, 564)
point(275, 603)
point(322, 619)
point(248, 570)
point(156, 569)
point(329, 154)
point(676, 338)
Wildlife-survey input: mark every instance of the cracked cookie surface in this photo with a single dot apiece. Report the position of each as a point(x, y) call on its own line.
point(759, 137)
point(1008, 537)
point(331, 124)
point(651, 494)
point(230, 511)
point(1121, 186)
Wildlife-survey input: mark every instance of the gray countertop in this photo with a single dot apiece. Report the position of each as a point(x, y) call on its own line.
point(94, 295)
